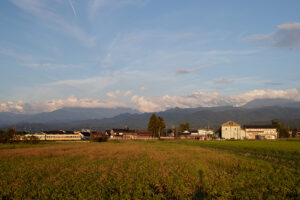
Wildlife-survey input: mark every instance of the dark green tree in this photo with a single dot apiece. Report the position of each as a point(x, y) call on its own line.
point(7, 136)
point(152, 125)
point(283, 131)
point(294, 132)
point(160, 125)
point(184, 127)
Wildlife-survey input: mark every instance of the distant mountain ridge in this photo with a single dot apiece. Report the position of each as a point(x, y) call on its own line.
point(257, 111)
point(259, 103)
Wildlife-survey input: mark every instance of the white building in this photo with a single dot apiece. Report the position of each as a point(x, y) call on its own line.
point(262, 131)
point(232, 130)
point(205, 132)
point(56, 136)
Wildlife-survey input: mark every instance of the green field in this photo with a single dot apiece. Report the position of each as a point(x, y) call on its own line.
point(177, 169)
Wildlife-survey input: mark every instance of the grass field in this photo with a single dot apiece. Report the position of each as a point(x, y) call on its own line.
point(151, 170)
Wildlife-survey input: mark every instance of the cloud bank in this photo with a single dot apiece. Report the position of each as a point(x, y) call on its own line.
point(52, 105)
point(210, 99)
point(152, 104)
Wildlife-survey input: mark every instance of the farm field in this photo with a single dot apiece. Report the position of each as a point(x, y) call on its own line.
point(178, 169)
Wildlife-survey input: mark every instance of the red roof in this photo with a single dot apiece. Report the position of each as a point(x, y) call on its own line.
point(144, 133)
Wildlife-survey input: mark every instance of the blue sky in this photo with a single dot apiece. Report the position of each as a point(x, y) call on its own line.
point(146, 54)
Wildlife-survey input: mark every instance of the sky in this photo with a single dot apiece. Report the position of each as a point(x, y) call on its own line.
point(149, 55)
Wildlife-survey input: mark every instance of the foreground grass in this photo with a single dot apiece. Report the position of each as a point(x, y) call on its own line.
point(152, 170)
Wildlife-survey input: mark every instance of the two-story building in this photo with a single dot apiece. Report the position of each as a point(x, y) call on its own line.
point(233, 130)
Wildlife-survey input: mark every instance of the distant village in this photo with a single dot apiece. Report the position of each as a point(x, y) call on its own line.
point(228, 131)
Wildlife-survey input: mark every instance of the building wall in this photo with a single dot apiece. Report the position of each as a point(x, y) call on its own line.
point(233, 132)
point(204, 132)
point(58, 137)
point(266, 133)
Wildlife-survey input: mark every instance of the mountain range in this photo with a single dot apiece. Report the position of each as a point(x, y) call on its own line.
point(256, 111)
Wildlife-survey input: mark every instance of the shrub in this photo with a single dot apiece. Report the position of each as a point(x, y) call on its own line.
point(102, 138)
point(31, 139)
point(7, 136)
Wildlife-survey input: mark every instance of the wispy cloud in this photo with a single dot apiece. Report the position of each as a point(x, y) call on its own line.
point(42, 11)
point(189, 70)
point(73, 8)
point(30, 61)
point(96, 5)
point(286, 36)
point(223, 81)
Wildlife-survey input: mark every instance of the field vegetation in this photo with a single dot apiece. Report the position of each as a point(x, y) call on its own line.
point(178, 169)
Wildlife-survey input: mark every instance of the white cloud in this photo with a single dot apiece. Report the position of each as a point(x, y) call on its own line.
point(42, 11)
point(151, 104)
point(286, 36)
point(211, 99)
point(143, 89)
point(51, 105)
point(189, 70)
point(145, 105)
point(128, 93)
point(114, 94)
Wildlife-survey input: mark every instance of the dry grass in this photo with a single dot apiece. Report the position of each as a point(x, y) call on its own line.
point(142, 170)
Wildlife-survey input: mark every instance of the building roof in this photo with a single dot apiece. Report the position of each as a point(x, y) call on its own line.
point(231, 123)
point(55, 132)
point(86, 134)
point(184, 133)
point(123, 130)
point(144, 133)
point(260, 126)
point(194, 131)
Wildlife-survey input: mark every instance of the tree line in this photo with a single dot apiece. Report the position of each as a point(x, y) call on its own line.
point(11, 135)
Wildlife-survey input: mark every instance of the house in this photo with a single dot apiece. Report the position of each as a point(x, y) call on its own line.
point(85, 135)
point(202, 134)
point(144, 135)
point(232, 130)
point(261, 131)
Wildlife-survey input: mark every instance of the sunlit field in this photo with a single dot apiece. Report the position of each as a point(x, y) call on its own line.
point(151, 170)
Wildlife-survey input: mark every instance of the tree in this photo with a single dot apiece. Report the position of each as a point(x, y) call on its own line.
point(283, 131)
point(294, 132)
point(156, 124)
point(152, 125)
point(7, 136)
point(184, 127)
point(160, 125)
point(218, 132)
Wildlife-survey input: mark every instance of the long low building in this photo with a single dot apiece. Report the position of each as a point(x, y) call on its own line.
point(57, 136)
point(233, 130)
